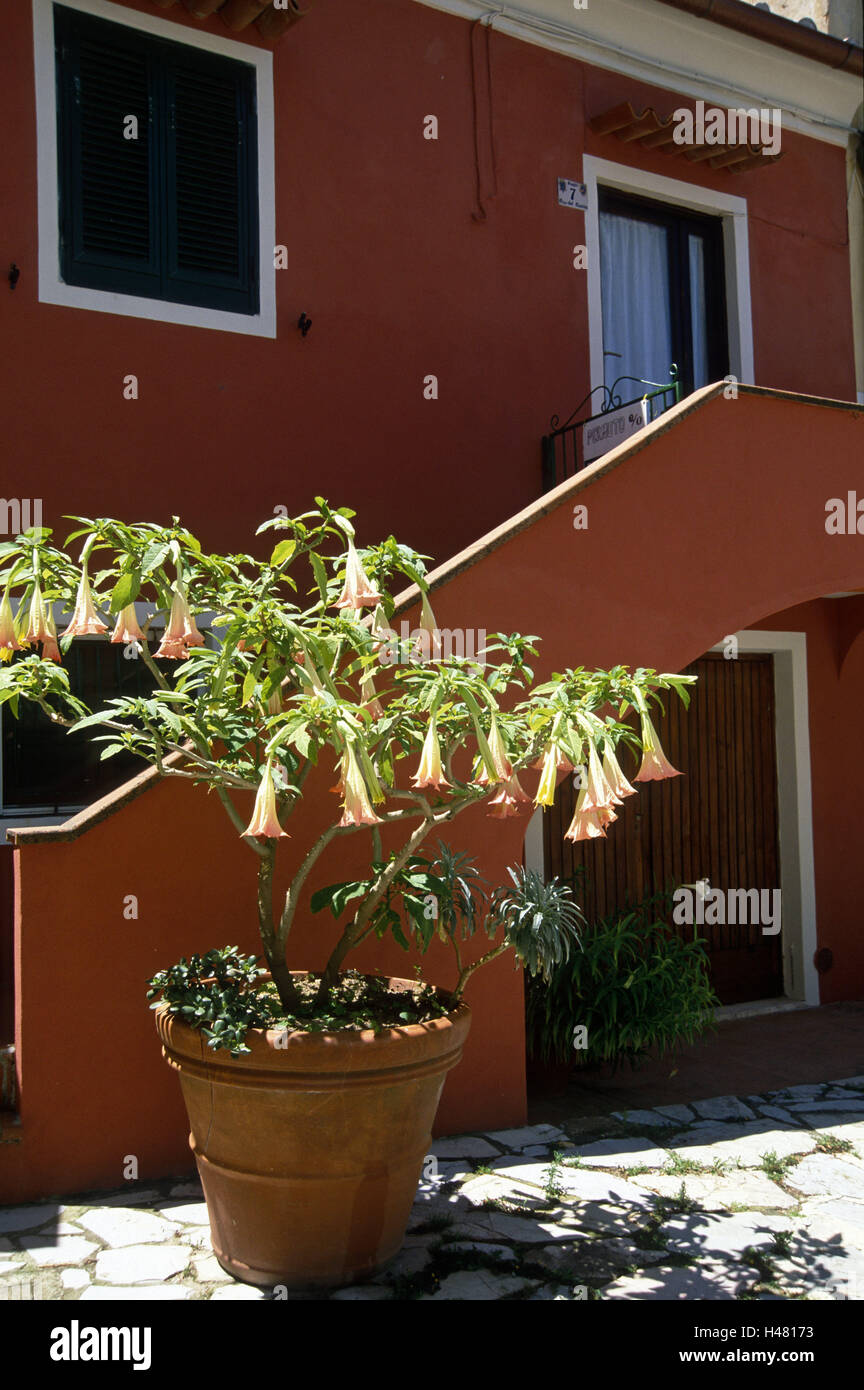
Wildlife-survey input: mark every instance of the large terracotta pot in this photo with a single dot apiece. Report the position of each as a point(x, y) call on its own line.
point(310, 1151)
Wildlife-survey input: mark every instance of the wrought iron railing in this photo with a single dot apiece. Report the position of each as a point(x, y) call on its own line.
point(563, 452)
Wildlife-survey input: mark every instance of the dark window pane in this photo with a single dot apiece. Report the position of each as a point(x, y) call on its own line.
point(46, 767)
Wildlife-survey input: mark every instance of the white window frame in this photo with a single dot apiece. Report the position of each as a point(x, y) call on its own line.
point(603, 173)
point(53, 289)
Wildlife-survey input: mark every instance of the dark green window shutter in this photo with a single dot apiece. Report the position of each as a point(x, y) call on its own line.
point(212, 226)
point(173, 214)
point(109, 233)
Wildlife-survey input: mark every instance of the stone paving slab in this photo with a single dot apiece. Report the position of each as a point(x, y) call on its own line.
point(745, 1187)
point(623, 1153)
point(683, 1206)
point(709, 1282)
point(743, 1145)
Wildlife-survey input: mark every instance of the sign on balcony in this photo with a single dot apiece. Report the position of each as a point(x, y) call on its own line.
point(605, 431)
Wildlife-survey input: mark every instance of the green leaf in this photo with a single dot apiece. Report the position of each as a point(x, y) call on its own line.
point(320, 574)
point(154, 556)
point(282, 552)
point(110, 749)
point(125, 591)
point(249, 685)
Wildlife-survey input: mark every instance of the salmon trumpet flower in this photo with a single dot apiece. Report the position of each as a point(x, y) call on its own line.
point(563, 763)
point(126, 628)
point(614, 776)
point(586, 824)
point(8, 637)
point(85, 620)
point(369, 696)
point(429, 627)
point(180, 630)
point(509, 799)
point(655, 765)
point(265, 817)
point(430, 772)
point(552, 762)
point(500, 761)
point(50, 649)
point(37, 622)
point(358, 590)
point(356, 806)
point(600, 793)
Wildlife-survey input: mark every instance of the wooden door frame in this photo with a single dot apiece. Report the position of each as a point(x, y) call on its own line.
point(794, 806)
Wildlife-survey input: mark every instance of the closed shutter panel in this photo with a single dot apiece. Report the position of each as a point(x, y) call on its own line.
point(211, 228)
point(109, 235)
point(172, 215)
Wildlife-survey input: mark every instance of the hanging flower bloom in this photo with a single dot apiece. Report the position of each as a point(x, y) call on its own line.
point(50, 649)
point(356, 807)
point(509, 799)
point(85, 620)
point(37, 623)
point(429, 627)
point(655, 765)
point(358, 590)
point(562, 763)
point(552, 762)
point(8, 637)
point(600, 794)
point(614, 776)
point(126, 628)
point(265, 817)
point(180, 630)
point(191, 636)
point(586, 824)
point(430, 773)
point(500, 761)
point(369, 697)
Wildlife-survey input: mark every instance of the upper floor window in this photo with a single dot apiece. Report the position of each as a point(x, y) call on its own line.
point(663, 292)
point(157, 166)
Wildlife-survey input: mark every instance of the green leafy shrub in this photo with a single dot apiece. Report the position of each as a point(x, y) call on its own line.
point(636, 986)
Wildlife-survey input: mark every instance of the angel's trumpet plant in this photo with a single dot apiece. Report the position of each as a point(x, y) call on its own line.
point(37, 622)
point(50, 649)
point(180, 630)
point(655, 765)
point(509, 799)
point(614, 775)
point(358, 590)
point(500, 761)
point(85, 620)
point(430, 772)
point(8, 637)
point(586, 824)
point(265, 817)
point(126, 628)
point(356, 805)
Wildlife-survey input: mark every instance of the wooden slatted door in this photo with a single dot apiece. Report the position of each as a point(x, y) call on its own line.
point(718, 822)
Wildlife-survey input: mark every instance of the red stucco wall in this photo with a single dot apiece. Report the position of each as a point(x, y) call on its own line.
point(399, 280)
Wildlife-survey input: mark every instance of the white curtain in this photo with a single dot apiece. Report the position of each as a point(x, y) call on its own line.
point(698, 325)
point(634, 271)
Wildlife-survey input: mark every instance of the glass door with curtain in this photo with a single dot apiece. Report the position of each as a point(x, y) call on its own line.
point(663, 293)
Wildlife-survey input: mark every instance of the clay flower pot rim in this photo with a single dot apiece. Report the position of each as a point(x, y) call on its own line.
point(352, 1037)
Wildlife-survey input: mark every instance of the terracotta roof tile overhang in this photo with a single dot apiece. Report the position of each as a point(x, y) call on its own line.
point(270, 17)
point(777, 29)
point(658, 132)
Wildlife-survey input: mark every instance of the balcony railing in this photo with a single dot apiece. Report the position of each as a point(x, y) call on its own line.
point(570, 447)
